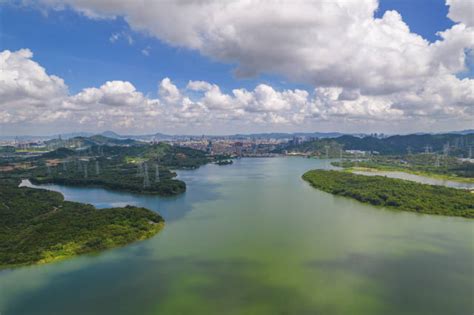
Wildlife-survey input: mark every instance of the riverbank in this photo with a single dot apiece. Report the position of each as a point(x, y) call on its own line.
point(166, 187)
point(428, 165)
point(39, 226)
point(394, 193)
point(413, 172)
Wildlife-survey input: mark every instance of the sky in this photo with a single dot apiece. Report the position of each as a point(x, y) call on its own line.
point(237, 66)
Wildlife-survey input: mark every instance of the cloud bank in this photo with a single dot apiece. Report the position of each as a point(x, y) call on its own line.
point(363, 69)
point(28, 95)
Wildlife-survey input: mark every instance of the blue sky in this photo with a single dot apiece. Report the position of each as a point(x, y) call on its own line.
point(78, 49)
point(342, 94)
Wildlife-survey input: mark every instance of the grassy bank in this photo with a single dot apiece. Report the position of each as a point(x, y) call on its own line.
point(394, 193)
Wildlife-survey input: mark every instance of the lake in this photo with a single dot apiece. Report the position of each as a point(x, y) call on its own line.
point(254, 238)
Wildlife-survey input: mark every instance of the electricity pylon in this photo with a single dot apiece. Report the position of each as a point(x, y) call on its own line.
point(146, 180)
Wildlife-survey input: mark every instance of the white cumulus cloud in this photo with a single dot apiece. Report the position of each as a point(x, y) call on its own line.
point(323, 43)
point(28, 95)
point(461, 11)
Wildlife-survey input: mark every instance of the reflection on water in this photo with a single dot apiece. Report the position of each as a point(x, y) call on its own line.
point(418, 178)
point(253, 238)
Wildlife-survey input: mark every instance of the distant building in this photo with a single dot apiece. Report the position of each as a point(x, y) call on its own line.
point(357, 152)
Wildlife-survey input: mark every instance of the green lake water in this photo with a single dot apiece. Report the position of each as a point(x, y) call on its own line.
point(254, 238)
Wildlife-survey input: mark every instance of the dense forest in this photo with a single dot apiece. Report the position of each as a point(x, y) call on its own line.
point(453, 144)
point(143, 168)
point(38, 226)
point(167, 155)
point(394, 193)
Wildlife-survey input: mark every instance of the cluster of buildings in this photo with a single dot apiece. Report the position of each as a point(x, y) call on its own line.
point(232, 147)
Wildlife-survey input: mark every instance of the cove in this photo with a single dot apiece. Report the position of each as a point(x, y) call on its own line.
point(254, 238)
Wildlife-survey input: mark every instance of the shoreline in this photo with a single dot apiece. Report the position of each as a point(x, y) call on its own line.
point(159, 226)
point(402, 195)
point(91, 230)
point(66, 183)
point(457, 179)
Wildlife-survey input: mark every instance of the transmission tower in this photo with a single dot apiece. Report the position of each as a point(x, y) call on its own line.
point(85, 170)
point(146, 180)
point(446, 149)
point(140, 169)
point(157, 173)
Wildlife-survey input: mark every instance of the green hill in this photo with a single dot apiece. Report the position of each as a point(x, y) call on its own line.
point(38, 226)
point(458, 144)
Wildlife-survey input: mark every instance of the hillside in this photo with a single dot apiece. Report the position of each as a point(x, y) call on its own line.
point(38, 226)
point(144, 168)
point(456, 144)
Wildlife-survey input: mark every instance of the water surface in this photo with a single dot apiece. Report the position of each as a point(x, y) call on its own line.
point(253, 238)
point(418, 178)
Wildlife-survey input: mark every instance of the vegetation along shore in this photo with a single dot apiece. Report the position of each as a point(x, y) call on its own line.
point(38, 226)
point(394, 193)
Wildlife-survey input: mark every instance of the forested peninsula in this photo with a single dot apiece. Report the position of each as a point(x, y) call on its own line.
point(394, 193)
point(38, 226)
point(138, 168)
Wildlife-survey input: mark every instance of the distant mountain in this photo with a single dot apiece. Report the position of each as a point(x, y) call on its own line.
point(102, 140)
point(463, 132)
point(458, 144)
point(111, 134)
point(146, 137)
point(166, 137)
point(91, 141)
point(274, 135)
point(73, 135)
